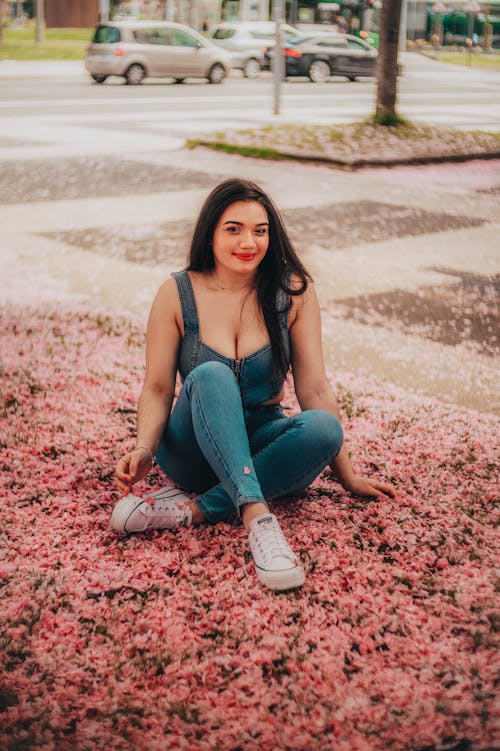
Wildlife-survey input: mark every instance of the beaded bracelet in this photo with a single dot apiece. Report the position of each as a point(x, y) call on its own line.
point(153, 458)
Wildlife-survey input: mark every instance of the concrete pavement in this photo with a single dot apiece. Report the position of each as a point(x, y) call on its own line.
point(42, 69)
point(407, 261)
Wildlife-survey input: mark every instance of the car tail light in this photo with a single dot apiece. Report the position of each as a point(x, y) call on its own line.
point(293, 53)
point(119, 52)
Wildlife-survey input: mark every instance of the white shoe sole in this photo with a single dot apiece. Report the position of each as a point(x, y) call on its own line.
point(281, 580)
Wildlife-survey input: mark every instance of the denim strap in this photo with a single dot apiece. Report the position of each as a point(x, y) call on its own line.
point(188, 303)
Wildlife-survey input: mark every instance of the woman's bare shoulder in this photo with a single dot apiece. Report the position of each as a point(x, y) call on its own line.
point(298, 301)
point(167, 303)
point(167, 294)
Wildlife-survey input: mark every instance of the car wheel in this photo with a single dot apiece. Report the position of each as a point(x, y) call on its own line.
point(319, 71)
point(179, 80)
point(251, 69)
point(98, 77)
point(351, 78)
point(135, 74)
point(217, 73)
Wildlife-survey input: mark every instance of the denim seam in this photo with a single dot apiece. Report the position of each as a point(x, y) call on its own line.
point(205, 510)
point(210, 437)
point(212, 519)
point(194, 352)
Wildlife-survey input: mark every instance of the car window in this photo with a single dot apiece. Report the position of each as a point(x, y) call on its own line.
point(270, 34)
point(152, 36)
point(106, 35)
point(180, 38)
point(224, 33)
point(256, 34)
point(325, 42)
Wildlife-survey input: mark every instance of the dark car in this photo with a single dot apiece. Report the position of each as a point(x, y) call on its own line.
point(328, 55)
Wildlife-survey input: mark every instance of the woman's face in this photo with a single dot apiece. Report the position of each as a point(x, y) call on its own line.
point(241, 237)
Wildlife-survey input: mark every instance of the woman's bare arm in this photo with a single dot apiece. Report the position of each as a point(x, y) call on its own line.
point(313, 389)
point(162, 346)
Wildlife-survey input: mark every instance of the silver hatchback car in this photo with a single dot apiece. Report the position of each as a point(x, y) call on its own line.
point(140, 49)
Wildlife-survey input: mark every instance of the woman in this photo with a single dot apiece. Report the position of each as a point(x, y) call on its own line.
point(232, 324)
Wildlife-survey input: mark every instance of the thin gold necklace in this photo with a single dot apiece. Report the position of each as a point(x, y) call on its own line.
point(228, 289)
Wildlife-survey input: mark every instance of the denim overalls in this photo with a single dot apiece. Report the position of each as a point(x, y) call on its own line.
point(221, 443)
point(255, 372)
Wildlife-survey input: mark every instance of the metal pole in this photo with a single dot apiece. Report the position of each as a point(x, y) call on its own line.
point(278, 55)
point(169, 10)
point(193, 15)
point(471, 26)
point(40, 21)
point(103, 11)
point(403, 26)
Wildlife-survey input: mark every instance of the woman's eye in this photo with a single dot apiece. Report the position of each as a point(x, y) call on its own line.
point(233, 229)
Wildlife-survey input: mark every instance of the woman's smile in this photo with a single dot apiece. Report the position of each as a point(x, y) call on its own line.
point(245, 256)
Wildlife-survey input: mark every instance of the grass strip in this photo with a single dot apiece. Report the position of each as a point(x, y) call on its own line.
point(466, 59)
point(58, 44)
point(356, 145)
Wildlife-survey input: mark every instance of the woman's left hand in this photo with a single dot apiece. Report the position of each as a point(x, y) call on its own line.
point(362, 486)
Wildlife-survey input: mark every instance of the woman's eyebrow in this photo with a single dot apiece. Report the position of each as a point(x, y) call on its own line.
point(234, 221)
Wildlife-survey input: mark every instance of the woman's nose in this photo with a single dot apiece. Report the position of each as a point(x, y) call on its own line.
point(247, 239)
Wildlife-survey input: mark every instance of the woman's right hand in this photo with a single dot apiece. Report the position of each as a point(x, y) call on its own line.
point(132, 467)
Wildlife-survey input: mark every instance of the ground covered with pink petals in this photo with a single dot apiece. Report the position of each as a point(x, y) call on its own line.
point(167, 641)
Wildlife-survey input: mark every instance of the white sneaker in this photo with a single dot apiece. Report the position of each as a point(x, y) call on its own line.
point(276, 565)
point(169, 510)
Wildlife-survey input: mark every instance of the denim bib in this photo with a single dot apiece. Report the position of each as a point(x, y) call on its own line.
point(255, 372)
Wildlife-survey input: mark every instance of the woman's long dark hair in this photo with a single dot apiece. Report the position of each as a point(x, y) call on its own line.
point(276, 268)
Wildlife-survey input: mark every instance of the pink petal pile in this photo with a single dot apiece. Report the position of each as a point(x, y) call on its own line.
point(167, 640)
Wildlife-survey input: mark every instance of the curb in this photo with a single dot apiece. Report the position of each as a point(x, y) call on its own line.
point(346, 164)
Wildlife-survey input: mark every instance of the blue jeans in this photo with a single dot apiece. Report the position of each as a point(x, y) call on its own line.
point(230, 455)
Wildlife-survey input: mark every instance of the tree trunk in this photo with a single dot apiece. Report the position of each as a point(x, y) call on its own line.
point(387, 64)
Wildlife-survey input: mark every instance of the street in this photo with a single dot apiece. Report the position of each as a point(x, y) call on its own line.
point(428, 92)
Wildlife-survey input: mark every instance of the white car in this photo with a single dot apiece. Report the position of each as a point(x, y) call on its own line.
point(248, 40)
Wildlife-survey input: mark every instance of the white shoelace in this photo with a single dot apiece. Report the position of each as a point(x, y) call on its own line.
point(270, 543)
point(165, 493)
point(166, 512)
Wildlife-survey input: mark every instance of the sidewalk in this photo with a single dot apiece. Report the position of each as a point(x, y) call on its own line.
point(366, 237)
point(42, 69)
